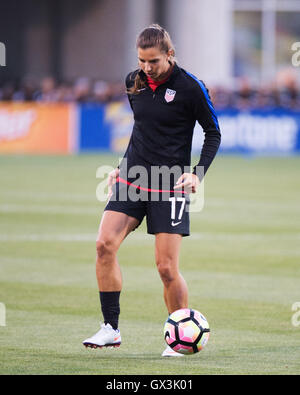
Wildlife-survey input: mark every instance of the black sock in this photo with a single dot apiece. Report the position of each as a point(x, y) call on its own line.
point(110, 306)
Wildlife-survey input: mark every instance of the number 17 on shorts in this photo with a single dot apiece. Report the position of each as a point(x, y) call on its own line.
point(177, 210)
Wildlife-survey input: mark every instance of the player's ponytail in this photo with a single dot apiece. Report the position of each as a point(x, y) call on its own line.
point(153, 36)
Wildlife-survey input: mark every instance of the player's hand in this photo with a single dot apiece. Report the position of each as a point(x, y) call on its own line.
point(112, 179)
point(189, 182)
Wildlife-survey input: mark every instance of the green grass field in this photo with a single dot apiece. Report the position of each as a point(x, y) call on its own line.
point(242, 266)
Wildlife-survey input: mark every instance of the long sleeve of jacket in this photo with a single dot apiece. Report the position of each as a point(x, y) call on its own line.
point(207, 118)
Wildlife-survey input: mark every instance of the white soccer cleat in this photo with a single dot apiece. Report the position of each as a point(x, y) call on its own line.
point(106, 337)
point(169, 352)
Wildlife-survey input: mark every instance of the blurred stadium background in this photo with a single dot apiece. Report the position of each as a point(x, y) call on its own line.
point(68, 52)
point(64, 113)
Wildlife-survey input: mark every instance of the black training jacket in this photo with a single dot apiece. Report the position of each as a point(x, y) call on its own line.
point(164, 121)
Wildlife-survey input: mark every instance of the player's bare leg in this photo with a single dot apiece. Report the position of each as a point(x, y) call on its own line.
point(167, 249)
point(113, 229)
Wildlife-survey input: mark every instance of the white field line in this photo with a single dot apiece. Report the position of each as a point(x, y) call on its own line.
point(138, 236)
point(50, 196)
point(49, 237)
point(46, 209)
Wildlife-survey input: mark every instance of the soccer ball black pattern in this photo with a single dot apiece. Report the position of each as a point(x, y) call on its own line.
point(186, 331)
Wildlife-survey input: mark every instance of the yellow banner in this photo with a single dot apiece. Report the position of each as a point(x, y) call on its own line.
point(35, 128)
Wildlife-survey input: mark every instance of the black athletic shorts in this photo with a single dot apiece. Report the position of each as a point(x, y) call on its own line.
point(166, 211)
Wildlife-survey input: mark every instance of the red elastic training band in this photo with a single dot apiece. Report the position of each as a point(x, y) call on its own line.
point(119, 179)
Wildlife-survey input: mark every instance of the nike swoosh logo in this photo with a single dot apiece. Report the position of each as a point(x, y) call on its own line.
point(175, 223)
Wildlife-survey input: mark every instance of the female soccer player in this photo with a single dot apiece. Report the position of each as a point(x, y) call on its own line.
point(166, 102)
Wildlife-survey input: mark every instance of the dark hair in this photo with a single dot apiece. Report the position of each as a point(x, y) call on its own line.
point(153, 36)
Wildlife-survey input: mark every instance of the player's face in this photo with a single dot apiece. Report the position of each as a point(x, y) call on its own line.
point(153, 62)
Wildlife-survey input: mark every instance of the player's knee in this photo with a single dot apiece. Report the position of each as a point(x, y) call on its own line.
point(105, 248)
point(166, 270)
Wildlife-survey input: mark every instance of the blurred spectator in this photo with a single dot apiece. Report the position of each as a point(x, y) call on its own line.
point(7, 92)
point(245, 96)
point(283, 92)
point(47, 92)
point(221, 97)
point(266, 98)
point(287, 89)
point(82, 90)
point(118, 91)
point(65, 93)
point(102, 92)
point(25, 92)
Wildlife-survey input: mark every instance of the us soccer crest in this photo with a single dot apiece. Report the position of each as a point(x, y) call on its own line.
point(170, 95)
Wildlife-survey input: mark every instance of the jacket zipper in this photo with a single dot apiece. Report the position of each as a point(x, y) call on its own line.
point(154, 93)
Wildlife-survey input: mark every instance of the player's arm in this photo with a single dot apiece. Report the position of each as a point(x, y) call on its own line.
point(207, 118)
point(205, 114)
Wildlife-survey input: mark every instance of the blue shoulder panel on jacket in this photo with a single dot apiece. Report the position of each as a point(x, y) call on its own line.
point(209, 102)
